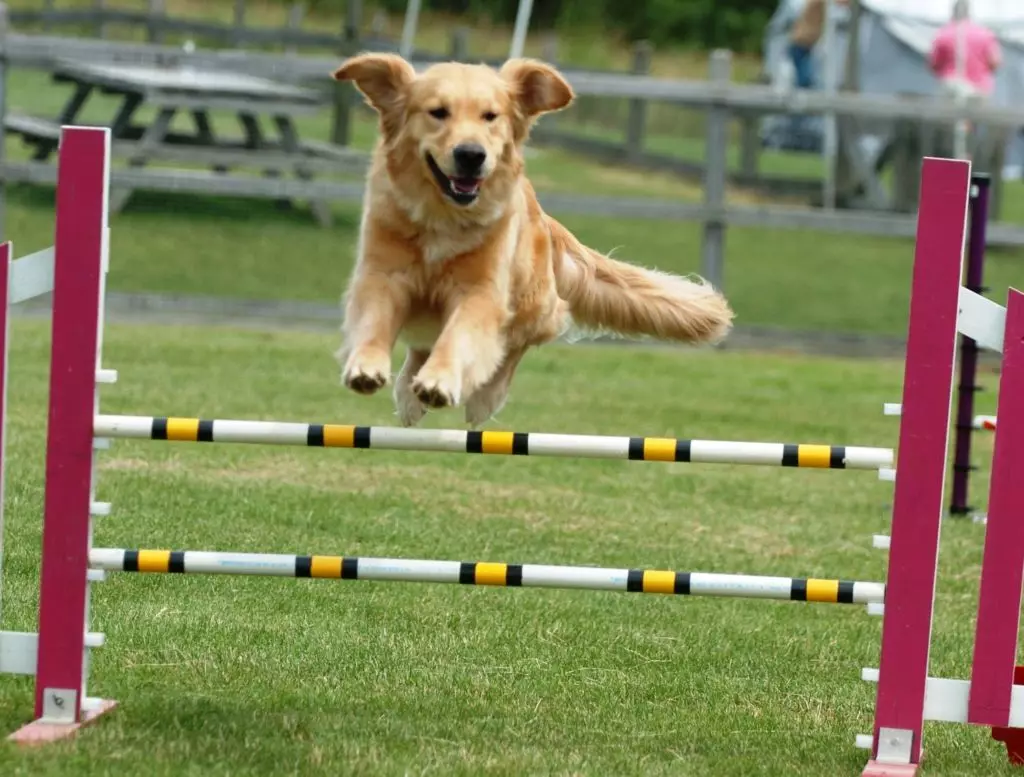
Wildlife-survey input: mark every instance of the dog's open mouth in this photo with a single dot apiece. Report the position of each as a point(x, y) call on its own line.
point(463, 191)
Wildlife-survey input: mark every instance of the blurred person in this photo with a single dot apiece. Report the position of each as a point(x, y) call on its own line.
point(979, 56)
point(804, 36)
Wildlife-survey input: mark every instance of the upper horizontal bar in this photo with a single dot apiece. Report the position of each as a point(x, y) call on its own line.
point(488, 573)
point(509, 443)
point(31, 276)
point(981, 319)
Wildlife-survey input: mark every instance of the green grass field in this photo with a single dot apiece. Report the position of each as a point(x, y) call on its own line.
point(253, 676)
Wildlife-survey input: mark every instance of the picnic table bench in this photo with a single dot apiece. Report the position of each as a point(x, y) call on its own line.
point(170, 92)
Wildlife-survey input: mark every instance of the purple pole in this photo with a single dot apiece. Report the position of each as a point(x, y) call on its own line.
point(969, 349)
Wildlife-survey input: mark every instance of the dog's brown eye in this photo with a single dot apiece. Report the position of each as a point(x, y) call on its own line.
point(490, 116)
point(440, 113)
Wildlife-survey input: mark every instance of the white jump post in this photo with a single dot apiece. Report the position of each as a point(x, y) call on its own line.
point(907, 695)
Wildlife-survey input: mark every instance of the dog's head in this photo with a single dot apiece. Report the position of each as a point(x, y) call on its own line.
point(465, 124)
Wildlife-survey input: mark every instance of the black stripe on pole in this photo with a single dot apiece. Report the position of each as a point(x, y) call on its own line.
point(467, 572)
point(205, 432)
point(176, 563)
point(349, 568)
point(131, 561)
point(303, 566)
point(682, 450)
point(315, 435)
point(361, 437)
point(798, 590)
point(520, 444)
point(845, 595)
point(636, 448)
point(837, 457)
point(635, 581)
point(682, 584)
point(159, 429)
point(514, 575)
point(790, 455)
point(474, 442)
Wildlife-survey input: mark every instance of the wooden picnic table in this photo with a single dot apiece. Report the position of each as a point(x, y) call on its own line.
point(174, 91)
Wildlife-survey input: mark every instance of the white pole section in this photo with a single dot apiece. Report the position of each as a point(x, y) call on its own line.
point(522, 25)
point(409, 25)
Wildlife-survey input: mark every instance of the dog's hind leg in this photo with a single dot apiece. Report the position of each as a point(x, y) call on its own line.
point(490, 398)
point(407, 404)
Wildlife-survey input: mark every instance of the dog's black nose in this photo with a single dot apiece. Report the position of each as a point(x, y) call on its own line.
point(469, 158)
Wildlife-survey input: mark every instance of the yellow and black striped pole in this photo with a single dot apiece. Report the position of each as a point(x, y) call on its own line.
point(648, 581)
point(495, 442)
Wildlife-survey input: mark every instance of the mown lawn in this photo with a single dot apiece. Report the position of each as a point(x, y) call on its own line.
point(789, 279)
point(257, 676)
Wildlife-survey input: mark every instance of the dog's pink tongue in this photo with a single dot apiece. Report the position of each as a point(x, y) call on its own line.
point(465, 185)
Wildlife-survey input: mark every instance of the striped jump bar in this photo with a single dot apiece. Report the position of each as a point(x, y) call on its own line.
point(507, 443)
point(647, 581)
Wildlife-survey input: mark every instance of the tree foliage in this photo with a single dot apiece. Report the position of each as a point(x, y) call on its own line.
point(734, 24)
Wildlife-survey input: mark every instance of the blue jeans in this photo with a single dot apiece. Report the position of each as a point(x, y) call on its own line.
point(803, 62)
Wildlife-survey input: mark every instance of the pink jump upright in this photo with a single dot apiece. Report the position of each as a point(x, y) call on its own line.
point(80, 261)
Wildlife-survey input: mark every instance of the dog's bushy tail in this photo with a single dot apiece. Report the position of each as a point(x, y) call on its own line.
point(609, 296)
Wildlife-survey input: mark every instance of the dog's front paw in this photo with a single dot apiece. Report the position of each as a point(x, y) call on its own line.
point(366, 375)
point(435, 392)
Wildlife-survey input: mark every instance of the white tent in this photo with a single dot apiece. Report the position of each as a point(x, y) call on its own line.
point(895, 38)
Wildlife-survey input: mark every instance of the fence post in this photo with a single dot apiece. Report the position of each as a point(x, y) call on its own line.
point(458, 47)
point(341, 127)
point(155, 31)
point(101, 27)
point(750, 145)
point(296, 13)
point(637, 118)
point(48, 9)
point(238, 24)
point(715, 170)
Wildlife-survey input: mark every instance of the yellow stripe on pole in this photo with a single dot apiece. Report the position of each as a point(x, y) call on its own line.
point(339, 436)
point(822, 590)
point(496, 442)
point(659, 449)
point(819, 456)
point(325, 566)
point(657, 581)
point(491, 573)
point(155, 560)
point(183, 429)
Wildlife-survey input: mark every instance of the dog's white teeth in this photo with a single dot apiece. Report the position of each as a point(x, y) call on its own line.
point(464, 187)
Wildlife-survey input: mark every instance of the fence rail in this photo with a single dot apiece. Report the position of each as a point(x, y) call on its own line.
point(724, 101)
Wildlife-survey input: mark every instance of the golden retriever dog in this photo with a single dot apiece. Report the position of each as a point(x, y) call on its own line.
point(455, 256)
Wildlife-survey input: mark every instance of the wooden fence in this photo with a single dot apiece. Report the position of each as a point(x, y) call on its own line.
point(721, 100)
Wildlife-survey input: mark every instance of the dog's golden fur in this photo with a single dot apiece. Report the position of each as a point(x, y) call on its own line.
point(471, 281)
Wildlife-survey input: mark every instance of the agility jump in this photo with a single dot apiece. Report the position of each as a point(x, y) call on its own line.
point(940, 308)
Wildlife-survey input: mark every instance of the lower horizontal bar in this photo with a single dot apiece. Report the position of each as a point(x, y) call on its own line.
point(987, 422)
point(19, 650)
point(811, 455)
point(488, 573)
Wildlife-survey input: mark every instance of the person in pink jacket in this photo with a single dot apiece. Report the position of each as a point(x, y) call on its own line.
point(981, 54)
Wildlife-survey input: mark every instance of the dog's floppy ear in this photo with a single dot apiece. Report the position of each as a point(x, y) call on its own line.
point(384, 79)
point(536, 87)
